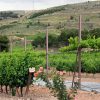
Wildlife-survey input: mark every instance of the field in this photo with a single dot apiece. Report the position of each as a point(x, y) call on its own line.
point(61, 61)
point(65, 18)
point(22, 48)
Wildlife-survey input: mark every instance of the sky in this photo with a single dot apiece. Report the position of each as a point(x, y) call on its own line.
point(33, 4)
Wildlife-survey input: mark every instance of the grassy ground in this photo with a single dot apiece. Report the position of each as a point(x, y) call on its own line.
point(67, 18)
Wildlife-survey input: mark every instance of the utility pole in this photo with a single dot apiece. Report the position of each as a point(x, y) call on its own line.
point(47, 49)
point(79, 54)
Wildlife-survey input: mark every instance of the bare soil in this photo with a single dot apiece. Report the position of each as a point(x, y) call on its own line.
point(43, 93)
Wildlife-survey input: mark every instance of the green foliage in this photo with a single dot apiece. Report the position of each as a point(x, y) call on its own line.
point(89, 43)
point(57, 87)
point(91, 63)
point(29, 24)
point(95, 32)
point(73, 44)
point(55, 40)
point(14, 67)
point(84, 44)
point(5, 15)
point(4, 43)
point(44, 77)
point(63, 61)
point(71, 17)
point(40, 40)
point(87, 20)
point(98, 42)
point(48, 11)
point(92, 43)
point(66, 34)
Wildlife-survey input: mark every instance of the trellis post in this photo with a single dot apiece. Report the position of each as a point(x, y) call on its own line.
point(25, 43)
point(47, 49)
point(11, 44)
point(79, 54)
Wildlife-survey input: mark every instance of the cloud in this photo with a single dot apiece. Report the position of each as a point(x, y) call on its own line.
point(42, 4)
point(14, 1)
point(16, 5)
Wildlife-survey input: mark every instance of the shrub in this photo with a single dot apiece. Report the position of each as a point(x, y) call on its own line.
point(40, 40)
point(4, 43)
point(48, 11)
point(57, 87)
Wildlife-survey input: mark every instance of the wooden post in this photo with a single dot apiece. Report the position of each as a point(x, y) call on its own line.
point(11, 44)
point(79, 55)
point(28, 84)
point(1, 89)
point(17, 91)
point(74, 73)
point(31, 71)
point(25, 43)
point(47, 49)
point(80, 27)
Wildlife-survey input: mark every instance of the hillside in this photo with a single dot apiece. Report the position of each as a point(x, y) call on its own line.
point(57, 18)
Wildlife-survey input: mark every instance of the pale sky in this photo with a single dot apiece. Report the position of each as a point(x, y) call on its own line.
point(34, 4)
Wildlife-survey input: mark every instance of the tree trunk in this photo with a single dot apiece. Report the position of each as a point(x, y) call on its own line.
point(17, 91)
point(6, 89)
point(1, 89)
point(69, 73)
point(21, 90)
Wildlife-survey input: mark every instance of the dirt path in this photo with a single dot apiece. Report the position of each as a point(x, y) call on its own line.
point(85, 78)
point(42, 93)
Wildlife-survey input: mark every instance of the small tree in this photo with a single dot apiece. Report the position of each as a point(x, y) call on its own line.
point(58, 87)
point(71, 17)
point(4, 43)
point(40, 40)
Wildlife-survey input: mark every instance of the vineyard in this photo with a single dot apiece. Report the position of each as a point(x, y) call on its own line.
point(92, 43)
point(55, 50)
point(14, 67)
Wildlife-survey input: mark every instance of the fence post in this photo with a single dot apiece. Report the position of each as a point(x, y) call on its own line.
point(79, 54)
point(25, 43)
point(11, 44)
point(47, 49)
